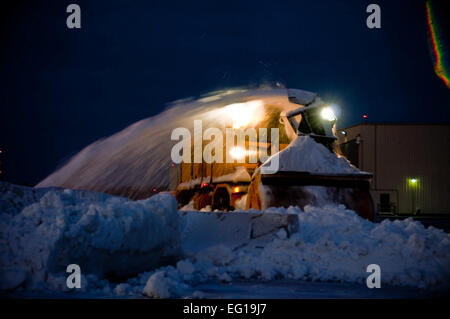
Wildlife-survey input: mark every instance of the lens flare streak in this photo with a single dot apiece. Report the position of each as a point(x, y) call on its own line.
point(439, 65)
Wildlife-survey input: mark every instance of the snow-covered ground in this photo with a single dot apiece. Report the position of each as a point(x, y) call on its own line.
point(136, 249)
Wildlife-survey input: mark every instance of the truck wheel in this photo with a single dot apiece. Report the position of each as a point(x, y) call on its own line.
point(183, 197)
point(221, 200)
point(202, 200)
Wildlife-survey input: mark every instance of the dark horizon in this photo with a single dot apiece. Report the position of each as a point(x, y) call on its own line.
point(62, 88)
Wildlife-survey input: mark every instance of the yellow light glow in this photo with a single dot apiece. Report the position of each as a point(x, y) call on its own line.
point(237, 152)
point(327, 113)
point(236, 189)
point(245, 114)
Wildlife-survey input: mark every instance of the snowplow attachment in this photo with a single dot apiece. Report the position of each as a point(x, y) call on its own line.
point(237, 229)
point(285, 189)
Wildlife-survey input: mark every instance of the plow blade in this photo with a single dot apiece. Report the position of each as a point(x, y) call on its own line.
point(286, 189)
point(237, 229)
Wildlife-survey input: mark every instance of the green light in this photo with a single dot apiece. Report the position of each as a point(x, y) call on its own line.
point(413, 182)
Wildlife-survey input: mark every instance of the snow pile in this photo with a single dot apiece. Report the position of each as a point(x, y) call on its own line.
point(104, 235)
point(332, 244)
point(240, 175)
point(14, 198)
point(111, 237)
point(306, 155)
point(240, 204)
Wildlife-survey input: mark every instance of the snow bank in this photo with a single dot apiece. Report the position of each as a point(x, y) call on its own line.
point(104, 235)
point(306, 155)
point(332, 244)
point(14, 198)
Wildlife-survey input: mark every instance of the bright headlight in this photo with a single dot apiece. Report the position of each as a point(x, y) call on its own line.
point(327, 113)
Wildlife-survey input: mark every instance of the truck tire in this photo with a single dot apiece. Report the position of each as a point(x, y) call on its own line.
point(184, 197)
point(202, 200)
point(221, 199)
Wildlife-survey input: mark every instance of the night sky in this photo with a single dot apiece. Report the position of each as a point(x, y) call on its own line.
point(61, 89)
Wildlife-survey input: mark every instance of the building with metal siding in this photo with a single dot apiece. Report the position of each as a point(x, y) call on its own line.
point(410, 165)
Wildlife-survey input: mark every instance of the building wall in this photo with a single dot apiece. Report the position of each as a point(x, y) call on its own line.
point(398, 153)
